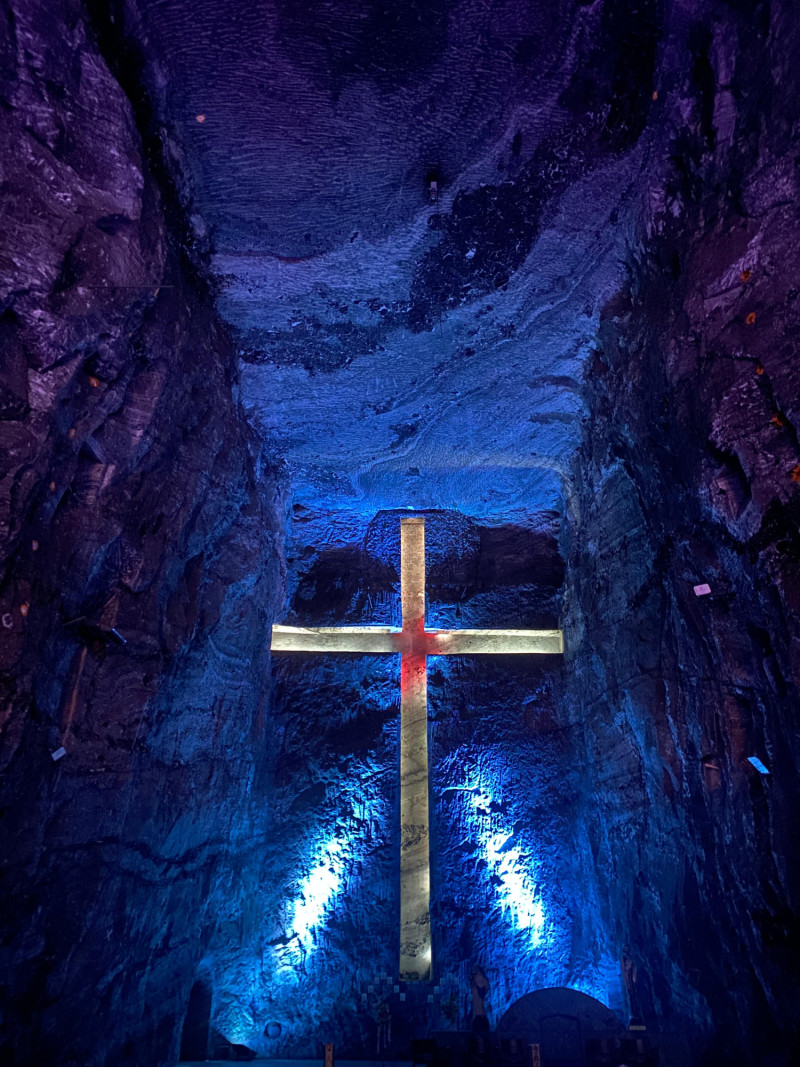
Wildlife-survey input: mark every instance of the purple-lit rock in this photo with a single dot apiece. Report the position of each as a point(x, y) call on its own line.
point(234, 353)
point(139, 532)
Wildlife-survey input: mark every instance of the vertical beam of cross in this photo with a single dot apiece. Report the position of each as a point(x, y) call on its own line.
point(415, 889)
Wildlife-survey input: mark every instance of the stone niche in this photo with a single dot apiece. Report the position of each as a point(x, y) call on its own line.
point(509, 866)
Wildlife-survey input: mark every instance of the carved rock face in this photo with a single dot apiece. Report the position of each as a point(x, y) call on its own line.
point(138, 574)
point(232, 349)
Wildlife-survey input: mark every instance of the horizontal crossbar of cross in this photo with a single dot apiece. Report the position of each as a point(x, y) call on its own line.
point(383, 640)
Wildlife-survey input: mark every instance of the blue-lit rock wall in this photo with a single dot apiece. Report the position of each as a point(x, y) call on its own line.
point(682, 576)
point(583, 348)
point(657, 831)
point(513, 883)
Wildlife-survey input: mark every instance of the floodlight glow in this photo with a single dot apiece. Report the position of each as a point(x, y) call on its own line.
point(759, 766)
point(317, 891)
point(514, 872)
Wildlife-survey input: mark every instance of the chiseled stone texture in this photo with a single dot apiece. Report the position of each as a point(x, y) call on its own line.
point(133, 498)
point(507, 846)
point(690, 474)
point(581, 361)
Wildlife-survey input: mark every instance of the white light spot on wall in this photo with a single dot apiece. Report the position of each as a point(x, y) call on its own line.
point(513, 872)
point(317, 892)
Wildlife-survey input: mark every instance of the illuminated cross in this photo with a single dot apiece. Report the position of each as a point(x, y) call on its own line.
point(415, 644)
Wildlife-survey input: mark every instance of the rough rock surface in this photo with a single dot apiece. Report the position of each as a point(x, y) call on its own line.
point(578, 361)
point(133, 504)
point(689, 475)
point(504, 783)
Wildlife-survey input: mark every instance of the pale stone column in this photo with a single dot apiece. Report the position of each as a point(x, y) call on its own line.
point(415, 920)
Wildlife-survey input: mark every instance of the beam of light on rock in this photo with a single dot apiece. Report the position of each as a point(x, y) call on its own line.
point(513, 872)
point(317, 892)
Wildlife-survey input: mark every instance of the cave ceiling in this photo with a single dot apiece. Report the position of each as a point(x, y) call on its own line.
point(399, 348)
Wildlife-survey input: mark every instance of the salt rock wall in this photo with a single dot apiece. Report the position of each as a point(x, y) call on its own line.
point(579, 806)
point(138, 566)
point(690, 475)
point(513, 881)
